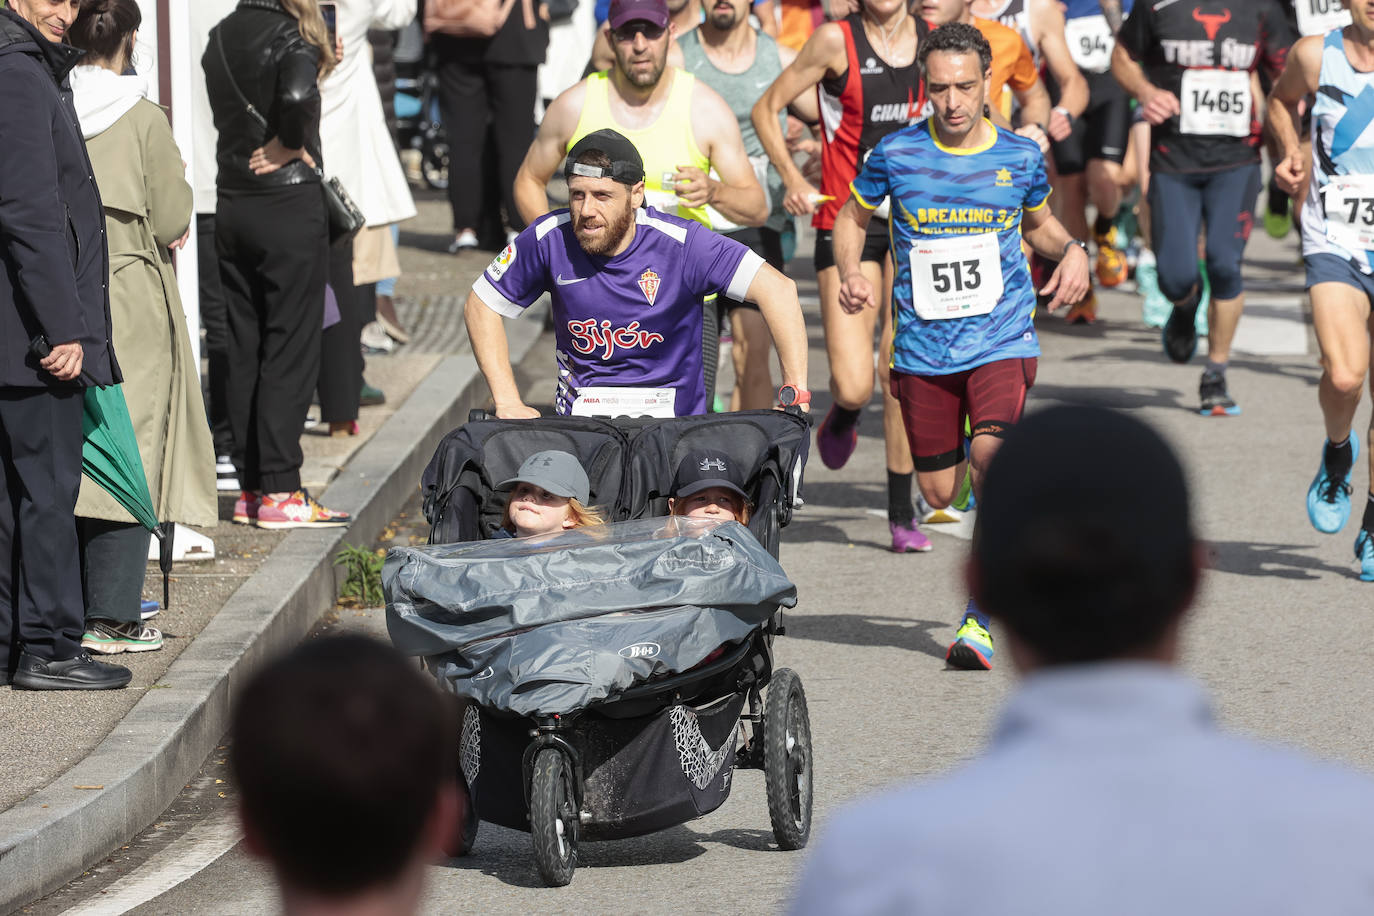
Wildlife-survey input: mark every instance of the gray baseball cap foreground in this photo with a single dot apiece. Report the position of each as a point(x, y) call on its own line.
point(557, 472)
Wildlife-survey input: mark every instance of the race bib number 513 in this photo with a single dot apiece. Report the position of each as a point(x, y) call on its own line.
point(956, 277)
point(1215, 103)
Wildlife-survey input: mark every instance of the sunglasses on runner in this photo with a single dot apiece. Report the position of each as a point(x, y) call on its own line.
point(627, 32)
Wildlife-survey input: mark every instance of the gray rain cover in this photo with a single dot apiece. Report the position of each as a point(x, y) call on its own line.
point(544, 626)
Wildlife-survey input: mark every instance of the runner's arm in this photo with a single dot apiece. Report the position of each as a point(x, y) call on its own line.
point(1111, 11)
point(1070, 282)
point(737, 193)
point(776, 296)
point(847, 239)
point(1158, 105)
point(805, 107)
point(1300, 77)
point(487, 333)
point(767, 13)
point(1035, 113)
point(545, 154)
point(1073, 88)
point(822, 55)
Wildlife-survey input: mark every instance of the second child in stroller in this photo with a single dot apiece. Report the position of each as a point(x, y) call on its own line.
point(548, 495)
point(708, 484)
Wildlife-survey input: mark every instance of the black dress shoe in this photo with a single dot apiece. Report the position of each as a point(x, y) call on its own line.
point(79, 673)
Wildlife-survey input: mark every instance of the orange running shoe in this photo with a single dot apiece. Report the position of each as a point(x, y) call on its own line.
point(1111, 260)
point(1085, 312)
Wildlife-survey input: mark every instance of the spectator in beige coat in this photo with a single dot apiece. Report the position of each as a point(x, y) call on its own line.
point(147, 202)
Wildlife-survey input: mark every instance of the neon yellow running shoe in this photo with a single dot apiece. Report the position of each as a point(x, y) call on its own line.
point(972, 647)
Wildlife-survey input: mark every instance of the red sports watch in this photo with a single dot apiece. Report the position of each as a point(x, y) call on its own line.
point(788, 395)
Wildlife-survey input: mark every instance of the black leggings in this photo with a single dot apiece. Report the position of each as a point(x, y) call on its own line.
point(273, 257)
point(476, 97)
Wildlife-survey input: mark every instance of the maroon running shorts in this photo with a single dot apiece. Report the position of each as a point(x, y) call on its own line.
point(992, 396)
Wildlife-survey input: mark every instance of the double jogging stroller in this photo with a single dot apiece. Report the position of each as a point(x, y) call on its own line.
point(613, 678)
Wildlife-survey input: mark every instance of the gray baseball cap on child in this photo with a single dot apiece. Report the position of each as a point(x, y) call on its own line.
point(557, 472)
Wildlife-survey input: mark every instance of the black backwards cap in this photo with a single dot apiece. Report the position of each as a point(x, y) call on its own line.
point(627, 167)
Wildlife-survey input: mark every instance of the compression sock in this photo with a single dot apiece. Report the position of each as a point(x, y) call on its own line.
point(1339, 457)
point(843, 420)
point(1215, 368)
point(1103, 225)
point(1368, 523)
point(899, 508)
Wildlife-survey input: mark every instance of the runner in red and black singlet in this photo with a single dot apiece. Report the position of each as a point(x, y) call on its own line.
point(858, 108)
point(1190, 64)
point(865, 73)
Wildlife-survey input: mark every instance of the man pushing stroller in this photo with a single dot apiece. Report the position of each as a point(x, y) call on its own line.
point(627, 284)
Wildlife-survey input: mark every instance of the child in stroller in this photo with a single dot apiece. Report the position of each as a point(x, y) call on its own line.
point(708, 484)
point(548, 495)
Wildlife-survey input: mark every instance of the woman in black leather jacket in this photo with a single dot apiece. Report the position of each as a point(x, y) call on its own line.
point(271, 237)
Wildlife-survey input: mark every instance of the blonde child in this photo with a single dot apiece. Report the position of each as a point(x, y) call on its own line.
point(548, 495)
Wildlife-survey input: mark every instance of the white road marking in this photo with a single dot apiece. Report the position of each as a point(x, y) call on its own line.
point(198, 849)
point(1272, 326)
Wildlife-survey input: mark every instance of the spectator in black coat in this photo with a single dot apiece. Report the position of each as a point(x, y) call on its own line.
point(53, 285)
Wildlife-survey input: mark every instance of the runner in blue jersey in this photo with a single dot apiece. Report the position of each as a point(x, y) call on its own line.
point(1337, 245)
point(627, 283)
point(964, 194)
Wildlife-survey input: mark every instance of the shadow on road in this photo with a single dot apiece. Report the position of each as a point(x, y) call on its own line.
point(508, 858)
point(1281, 561)
point(855, 630)
point(1116, 398)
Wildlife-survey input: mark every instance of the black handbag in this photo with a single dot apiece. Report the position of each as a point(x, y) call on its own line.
point(345, 219)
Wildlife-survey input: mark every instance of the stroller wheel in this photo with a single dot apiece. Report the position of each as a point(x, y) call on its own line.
point(787, 759)
point(554, 818)
point(434, 164)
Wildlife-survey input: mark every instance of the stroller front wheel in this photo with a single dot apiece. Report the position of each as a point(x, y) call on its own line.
point(787, 759)
point(554, 820)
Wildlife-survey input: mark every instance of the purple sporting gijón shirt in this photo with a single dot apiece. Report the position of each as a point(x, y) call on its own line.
point(633, 321)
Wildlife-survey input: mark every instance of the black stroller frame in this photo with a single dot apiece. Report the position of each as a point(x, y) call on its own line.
point(630, 464)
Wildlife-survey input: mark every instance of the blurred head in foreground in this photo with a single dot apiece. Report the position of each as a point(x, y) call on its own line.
point(1084, 548)
point(345, 758)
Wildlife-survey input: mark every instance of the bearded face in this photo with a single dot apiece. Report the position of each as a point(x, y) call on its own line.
point(638, 57)
point(602, 213)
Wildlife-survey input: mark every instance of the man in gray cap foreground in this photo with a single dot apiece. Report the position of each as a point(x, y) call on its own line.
point(1107, 787)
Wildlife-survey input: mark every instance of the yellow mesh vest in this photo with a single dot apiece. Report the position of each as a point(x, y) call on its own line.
point(664, 146)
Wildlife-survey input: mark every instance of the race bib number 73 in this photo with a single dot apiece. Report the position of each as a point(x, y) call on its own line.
point(1349, 203)
point(956, 277)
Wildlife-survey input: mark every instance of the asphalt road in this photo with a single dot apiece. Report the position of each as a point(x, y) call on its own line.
point(1275, 635)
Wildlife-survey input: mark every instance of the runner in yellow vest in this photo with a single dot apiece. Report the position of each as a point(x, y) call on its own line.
point(686, 133)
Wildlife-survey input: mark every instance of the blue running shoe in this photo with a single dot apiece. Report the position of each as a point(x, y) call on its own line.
point(1364, 552)
point(1328, 499)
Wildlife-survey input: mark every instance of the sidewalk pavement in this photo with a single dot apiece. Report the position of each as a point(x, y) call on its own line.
point(80, 773)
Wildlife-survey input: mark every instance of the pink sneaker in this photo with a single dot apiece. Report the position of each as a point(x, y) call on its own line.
point(909, 539)
point(835, 448)
point(246, 508)
point(299, 510)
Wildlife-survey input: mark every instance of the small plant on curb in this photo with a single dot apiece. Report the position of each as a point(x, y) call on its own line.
point(362, 585)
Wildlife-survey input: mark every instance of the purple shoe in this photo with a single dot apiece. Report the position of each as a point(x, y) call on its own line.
point(909, 539)
point(835, 448)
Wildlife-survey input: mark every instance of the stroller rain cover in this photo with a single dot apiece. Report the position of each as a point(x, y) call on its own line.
point(545, 626)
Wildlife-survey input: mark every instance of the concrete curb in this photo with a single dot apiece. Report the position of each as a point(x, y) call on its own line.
point(53, 835)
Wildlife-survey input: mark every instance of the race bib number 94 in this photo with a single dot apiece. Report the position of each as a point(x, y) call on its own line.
point(956, 277)
point(1215, 103)
point(1349, 203)
point(1090, 42)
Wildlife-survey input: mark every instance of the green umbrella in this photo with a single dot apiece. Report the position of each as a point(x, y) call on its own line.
point(110, 458)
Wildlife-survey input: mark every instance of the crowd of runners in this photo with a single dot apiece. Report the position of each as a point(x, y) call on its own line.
point(964, 164)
